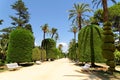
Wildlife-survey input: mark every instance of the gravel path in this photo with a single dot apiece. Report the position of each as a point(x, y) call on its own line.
point(61, 69)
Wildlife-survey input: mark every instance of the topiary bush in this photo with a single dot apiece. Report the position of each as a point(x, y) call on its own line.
point(89, 44)
point(49, 45)
point(36, 54)
point(20, 46)
point(108, 46)
point(42, 54)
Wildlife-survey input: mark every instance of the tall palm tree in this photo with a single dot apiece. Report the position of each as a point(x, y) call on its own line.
point(45, 29)
point(56, 37)
point(74, 29)
point(77, 12)
point(105, 7)
point(53, 31)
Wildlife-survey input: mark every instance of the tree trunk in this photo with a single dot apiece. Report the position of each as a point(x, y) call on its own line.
point(44, 36)
point(92, 48)
point(105, 10)
point(79, 22)
point(52, 35)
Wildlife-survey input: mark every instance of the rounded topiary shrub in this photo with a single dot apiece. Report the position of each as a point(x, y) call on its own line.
point(36, 54)
point(89, 44)
point(20, 46)
point(49, 45)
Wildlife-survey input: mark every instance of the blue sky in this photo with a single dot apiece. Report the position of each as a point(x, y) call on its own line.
point(52, 12)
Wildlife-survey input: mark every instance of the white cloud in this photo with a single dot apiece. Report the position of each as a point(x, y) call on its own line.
point(65, 46)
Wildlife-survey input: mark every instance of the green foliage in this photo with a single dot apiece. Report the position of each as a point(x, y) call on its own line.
point(20, 46)
point(114, 12)
point(117, 56)
point(108, 46)
point(49, 45)
point(38, 54)
point(72, 52)
point(89, 44)
point(22, 14)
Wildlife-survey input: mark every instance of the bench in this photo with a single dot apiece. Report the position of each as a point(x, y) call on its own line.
point(12, 66)
point(38, 62)
point(86, 67)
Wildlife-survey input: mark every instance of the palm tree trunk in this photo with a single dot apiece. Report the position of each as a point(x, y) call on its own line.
point(79, 22)
point(44, 36)
point(52, 35)
point(105, 10)
point(75, 37)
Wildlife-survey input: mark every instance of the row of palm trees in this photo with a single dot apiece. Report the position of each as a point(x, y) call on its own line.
point(53, 31)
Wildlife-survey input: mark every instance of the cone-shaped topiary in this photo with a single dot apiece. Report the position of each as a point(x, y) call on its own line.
point(108, 46)
point(89, 44)
point(20, 46)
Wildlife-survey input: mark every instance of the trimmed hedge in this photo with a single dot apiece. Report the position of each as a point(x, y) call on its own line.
point(108, 46)
point(20, 46)
point(38, 54)
point(49, 45)
point(89, 44)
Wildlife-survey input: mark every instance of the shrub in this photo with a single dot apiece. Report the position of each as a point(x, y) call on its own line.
point(36, 54)
point(89, 44)
point(20, 46)
point(108, 46)
point(49, 45)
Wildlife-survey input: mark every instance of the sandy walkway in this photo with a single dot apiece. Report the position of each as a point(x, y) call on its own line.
point(61, 69)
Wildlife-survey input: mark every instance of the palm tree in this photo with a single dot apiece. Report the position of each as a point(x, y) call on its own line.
point(74, 29)
point(45, 30)
point(60, 47)
point(53, 31)
point(105, 7)
point(56, 37)
point(77, 12)
point(1, 22)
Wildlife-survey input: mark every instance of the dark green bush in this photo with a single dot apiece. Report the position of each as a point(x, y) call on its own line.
point(108, 54)
point(89, 44)
point(108, 47)
point(108, 39)
point(20, 46)
point(49, 45)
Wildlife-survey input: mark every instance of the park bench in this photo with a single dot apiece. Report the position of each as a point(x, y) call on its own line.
point(12, 66)
point(38, 62)
point(86, 67)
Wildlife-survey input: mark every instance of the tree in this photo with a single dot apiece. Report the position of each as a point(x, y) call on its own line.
point(60, 47)
point(89, 44)
point(1, 22)
point(20, 46)
point(78, 12)
point(107, 27)
point(53, 31)
point(108, 47)
point(56, 37)
point(45, 30)
point(29, 27)
point(22, 17)
point(74, 29)
point(105, 7)
point(49, 45)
